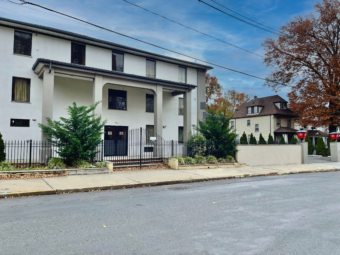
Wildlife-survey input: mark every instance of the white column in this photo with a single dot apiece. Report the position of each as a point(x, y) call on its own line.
point(187, 116)
point(47, 100)
point(98, 94)
point(158, 115)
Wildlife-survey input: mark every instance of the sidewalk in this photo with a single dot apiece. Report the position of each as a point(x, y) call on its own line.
point(131, 179)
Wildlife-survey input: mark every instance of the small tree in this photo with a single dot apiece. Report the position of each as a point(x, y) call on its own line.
point(244, 139)
point(261, 140)
point(282, 140)
point(310, 145)
point(270, 139)
point(216, 128)
point(76, 137)
point(197, 145)
point(252, 139)
point(2, 150)
point(321, 147)
point(294, 140)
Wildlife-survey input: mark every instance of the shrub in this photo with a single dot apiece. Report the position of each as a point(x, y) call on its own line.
point(80, 163)
point(244, 139)
point(101, 164)
point(197, 145)
point(2, 150)
point(180, 160)
point(321, 147)
point(252, 139)
point(56, 163)
point(294, 140)
point(310, 146)
point(78, 136)
point(200, 159)
point(282, 140)
point(189, 161)
point(261, 140)
point(6, 167)
point(230, 159)
point(270, 139)
point(222, 160)
point(211, 160)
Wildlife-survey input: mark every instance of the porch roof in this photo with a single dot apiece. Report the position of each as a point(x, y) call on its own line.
point(40, 63)
point(317, 133)
point(285, 130)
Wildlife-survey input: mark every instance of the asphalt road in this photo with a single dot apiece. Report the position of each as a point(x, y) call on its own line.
point(293, 214)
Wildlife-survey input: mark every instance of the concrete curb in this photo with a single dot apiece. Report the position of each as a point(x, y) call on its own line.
point(152, 184)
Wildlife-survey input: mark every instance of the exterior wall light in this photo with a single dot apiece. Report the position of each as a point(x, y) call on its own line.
point(302, 134)
point(334, 136)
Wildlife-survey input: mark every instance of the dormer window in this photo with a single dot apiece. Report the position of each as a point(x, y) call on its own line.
point(283, 106)
point(256, 109)
point(253, 109)
point(249, 110)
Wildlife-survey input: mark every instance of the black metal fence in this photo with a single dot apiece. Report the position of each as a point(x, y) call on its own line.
point(134, 148)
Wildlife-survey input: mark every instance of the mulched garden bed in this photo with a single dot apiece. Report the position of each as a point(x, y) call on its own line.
point(153, 167)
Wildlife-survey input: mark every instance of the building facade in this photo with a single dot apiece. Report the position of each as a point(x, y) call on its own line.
point(44, 70)
point(267, 115)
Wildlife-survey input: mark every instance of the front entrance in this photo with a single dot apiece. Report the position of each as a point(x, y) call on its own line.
point(116, 139)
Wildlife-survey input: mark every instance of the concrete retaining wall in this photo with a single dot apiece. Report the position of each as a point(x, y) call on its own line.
point(263, 155)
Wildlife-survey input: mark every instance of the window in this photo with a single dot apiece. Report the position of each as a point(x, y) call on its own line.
point(204, 115)
point(180, 134)
point(150, 68)
point(257, 128)
point(21, 90)
point(22, 43)
point(150, 132)
point(182, 74)
point(180, 106)
point(149, 103)
point(278, 122)
point(255, 109)
point(248, 123)
point(117, 99)
point(117, 62)
point(284, 106)
point(78, 54)
point(232, 124)
point(249, 110)
point(203, 106)
point(289, 123)
point(20, 123)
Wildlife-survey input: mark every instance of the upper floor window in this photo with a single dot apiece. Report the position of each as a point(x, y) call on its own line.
point(78, 54)
point(257, 128)
point(182, 74)
point(248, 123)
point(180, 106)
point(22, 43)
point(256, 109)
point(21, 90)
point(289, 123)
point(117, 61)
point(149, 103)
point(249, 110)
point(284, 106)
point(117, 99)
point(232, 124)
point(20, 123)
point(278, 122)
point(150, 68)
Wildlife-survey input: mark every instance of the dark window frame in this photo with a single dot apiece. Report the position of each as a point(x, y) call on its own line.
point(12, 125)
point(232, 124)
point(283, 106)
point(17, 31)
point(257, 126)
point(29, 91)
point(153, 102)
point(181, 141)
point(121, 53)
point(278, 122)
point(179, 111)
point(289, 123)
point(112, 91)
point(248, 121)
point(146, 71)
point(249, 110)
point(84, 53)
point(186, 73)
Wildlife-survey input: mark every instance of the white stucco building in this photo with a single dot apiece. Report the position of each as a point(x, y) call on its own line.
point(44, 70)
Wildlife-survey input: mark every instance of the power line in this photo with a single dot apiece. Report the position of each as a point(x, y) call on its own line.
point(193, 29)
point(160, 47)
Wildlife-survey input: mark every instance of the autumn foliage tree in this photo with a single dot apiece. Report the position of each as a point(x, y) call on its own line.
point(212, 87)
point(306, 56)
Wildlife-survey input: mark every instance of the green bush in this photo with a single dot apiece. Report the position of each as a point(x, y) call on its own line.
point(180, 160)
point(56, 163)
point(270, 139)
point(200, 159)
point(321, 147)
point(2, 150)
point(6, 167)
point(80, 163)
point(189, 161)
point(211, 160)
point(310, 146)
point(197, 145)
point(244, 139)
point(230, 159)
point(294, 140)
point(101, 164)
point(282, 140)
point(261, 140)
point(252, 139)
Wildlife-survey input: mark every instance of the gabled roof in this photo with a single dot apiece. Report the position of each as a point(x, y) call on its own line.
point(285, 130)
point(269, 107)
point(317, 133)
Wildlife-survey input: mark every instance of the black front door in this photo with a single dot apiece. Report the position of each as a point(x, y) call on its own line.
point(116, 139)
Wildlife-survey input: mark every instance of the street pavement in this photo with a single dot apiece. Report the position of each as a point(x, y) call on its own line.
point(287, 214)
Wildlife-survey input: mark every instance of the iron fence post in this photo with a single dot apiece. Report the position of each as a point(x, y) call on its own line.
point(102, 150)
point(30, 159)
point(140, 149)
point(172, 148)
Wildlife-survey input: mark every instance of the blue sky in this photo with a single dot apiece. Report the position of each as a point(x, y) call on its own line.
point(125, 18)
